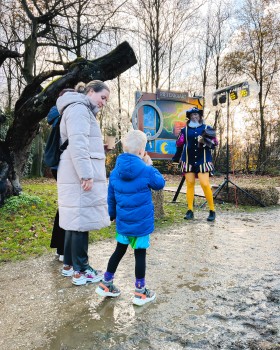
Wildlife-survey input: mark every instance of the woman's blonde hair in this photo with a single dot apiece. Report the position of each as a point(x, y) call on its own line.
point(134, 141)
point(95, 85)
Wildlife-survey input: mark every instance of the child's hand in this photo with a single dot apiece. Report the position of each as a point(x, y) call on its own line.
point(147, 159)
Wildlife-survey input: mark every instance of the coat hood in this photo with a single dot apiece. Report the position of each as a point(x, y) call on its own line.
point(75, 97)
point(129, 166)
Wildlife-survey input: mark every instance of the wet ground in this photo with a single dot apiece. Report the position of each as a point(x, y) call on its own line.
point(217, 284)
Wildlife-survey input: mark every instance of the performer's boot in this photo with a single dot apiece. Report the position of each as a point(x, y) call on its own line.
point(189, 215)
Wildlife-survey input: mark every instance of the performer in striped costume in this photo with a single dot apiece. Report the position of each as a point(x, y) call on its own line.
point(196, 159)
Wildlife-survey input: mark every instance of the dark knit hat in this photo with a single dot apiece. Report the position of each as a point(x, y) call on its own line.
point(193, 110)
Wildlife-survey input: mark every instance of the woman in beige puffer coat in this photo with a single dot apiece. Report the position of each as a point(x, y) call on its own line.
point(81, 181)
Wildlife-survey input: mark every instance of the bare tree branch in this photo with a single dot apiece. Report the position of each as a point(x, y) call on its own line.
point(6, 53)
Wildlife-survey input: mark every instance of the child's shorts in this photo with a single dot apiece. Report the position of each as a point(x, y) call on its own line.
point(135, 242)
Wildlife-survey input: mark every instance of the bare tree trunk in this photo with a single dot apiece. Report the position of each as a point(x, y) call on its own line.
point(36, 169)
point(262, 144)
point(262, 147)
point(158, 200)
point(119, 131)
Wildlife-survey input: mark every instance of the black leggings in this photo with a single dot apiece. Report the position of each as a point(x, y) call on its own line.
point(140, 260)
point(58, 234)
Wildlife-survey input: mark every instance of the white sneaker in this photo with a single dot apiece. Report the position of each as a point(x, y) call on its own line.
point(107, 289)
point(67, 271)
point(143, 296)
point(88, 276)
point(61, 258)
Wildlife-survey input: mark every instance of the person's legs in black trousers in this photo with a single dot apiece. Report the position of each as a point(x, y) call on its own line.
point(76, 250)
point(58, 233)
point(58, 236)
point(106, 288)
point(140, 264)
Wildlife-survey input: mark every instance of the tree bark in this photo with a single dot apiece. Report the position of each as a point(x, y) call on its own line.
point(158, 199)
point(6, 53)
point(35, 103)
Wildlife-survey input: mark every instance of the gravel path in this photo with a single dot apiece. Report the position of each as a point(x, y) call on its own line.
point(217, 284)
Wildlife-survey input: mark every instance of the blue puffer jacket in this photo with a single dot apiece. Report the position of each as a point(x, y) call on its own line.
point(130, 196)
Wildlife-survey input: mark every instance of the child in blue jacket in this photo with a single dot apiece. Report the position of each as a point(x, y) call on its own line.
point(130, 204)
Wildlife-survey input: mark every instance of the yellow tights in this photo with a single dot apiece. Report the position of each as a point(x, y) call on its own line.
point(205, 185)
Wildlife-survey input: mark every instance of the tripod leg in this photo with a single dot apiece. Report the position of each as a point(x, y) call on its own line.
point(218, 190)
point(179, 189)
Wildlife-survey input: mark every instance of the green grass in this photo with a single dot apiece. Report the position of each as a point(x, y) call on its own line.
point(27, 220)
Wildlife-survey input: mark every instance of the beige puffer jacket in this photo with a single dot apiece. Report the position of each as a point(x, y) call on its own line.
point(84, 157)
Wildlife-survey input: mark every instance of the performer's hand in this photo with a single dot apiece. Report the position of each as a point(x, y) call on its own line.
point(200, 139)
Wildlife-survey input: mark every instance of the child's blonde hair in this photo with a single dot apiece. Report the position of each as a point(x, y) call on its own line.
point(134, 141)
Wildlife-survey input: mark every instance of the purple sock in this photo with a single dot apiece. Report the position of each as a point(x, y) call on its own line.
point(108, 276)
point(140, 283)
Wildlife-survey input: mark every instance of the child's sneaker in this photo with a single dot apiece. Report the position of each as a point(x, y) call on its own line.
point(67, 271)
point(61, 258)
point(107, 289)
point(143, 296)
point(88, 276)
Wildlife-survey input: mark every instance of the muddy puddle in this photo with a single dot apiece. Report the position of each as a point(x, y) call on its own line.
point(217, 284)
